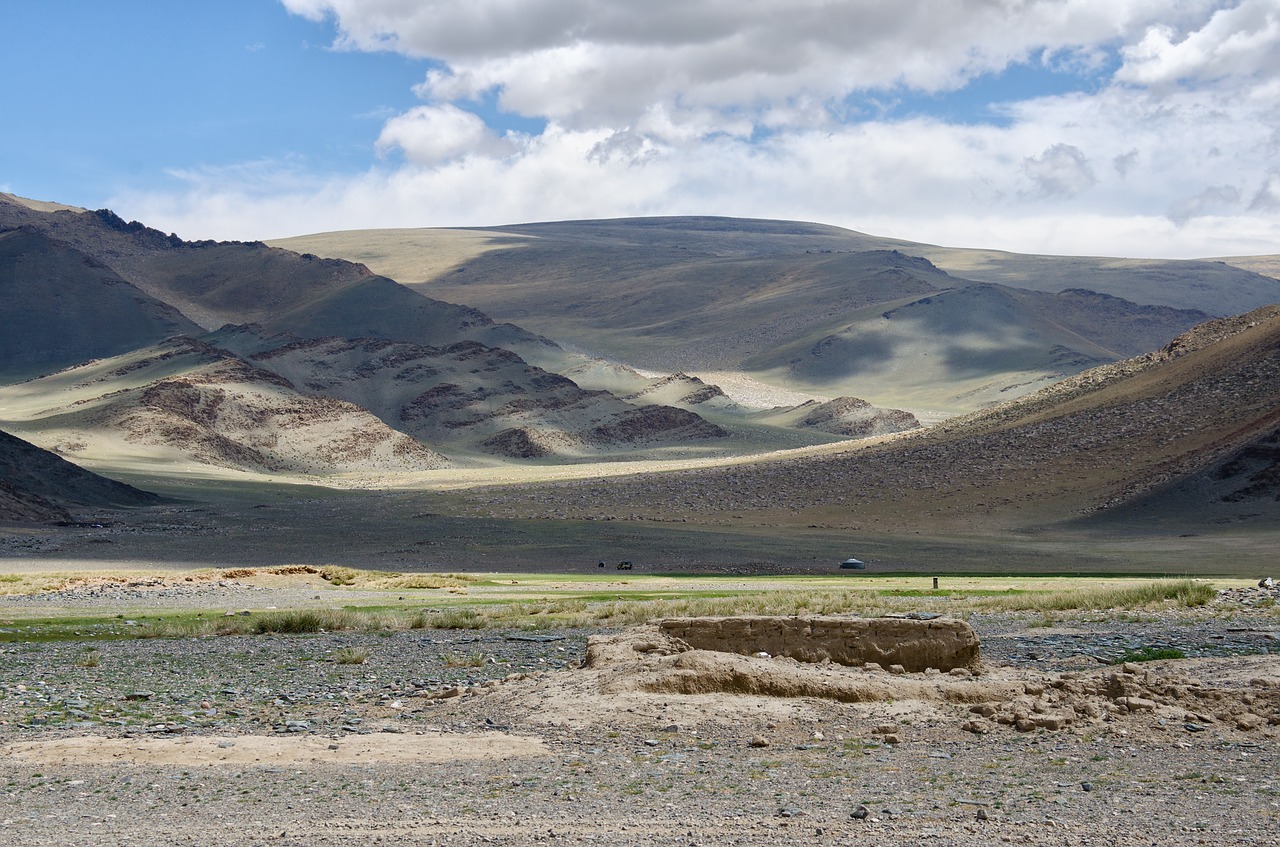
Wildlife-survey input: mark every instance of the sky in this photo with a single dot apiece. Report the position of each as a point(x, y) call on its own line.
point(1088, 127)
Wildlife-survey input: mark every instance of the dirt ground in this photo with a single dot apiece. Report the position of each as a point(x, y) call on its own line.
point(503, 738)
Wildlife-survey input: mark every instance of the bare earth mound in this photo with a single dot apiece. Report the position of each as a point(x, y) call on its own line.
point(823, 658)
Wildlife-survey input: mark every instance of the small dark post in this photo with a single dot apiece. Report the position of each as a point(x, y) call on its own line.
point(935, 583)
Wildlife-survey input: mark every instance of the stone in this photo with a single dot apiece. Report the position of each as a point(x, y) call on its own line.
point(861, 813)
point(1248, 722)
point(758, 741)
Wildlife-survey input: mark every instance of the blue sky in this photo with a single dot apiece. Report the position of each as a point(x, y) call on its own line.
point(1070, 126)
point(115, 95)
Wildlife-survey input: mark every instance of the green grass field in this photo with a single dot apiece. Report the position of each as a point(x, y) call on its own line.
point(302, 602)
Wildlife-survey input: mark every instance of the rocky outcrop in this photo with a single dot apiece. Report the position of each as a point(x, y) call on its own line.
point(468, 396)
point(855, 418)
point(679, 389)
point(654, 423)
point(528, 443)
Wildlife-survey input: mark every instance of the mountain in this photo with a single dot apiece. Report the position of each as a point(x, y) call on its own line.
point(330, 313)
point(63, 307)
point(975, 345)
point(804, 306)
point(36, 485)
point(1188, 433)
point(468, 397)
point(217, 283)
point(186, 401)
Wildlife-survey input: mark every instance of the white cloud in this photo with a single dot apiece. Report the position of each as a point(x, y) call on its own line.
point(1061, 171)
point(1236, 42)
point(432, 135)
point(588, 63)
point(1267, 198)
point(739, 108)
point(1214, 199)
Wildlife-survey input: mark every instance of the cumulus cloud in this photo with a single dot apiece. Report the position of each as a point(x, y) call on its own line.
point(432, 135)
point(751, 109)
point(1242, 41)
point(590, 63)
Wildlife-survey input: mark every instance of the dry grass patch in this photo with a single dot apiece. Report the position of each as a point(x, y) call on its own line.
point(351, 655)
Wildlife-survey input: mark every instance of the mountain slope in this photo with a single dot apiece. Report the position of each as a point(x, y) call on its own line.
point(703, 295)
point(1203, 406)
point(36, 485)
point(218, 283)
point(504, 408)
point(468, 397)
point(975, 345)
point(185, 401)
point(63, 307)
point(692, 312)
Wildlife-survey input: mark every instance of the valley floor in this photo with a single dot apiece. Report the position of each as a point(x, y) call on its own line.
point(500, 737)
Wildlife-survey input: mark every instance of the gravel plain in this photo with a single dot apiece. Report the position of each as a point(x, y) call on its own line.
point(491, 737)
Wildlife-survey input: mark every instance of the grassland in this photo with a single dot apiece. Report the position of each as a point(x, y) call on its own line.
point(65, 606)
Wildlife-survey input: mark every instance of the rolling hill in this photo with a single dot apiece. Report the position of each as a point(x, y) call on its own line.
point(467, 397)
point(804, 306)
point(1187, 434)
point(87, 286)
point(300, 364)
